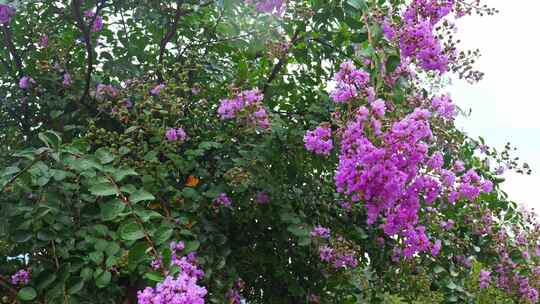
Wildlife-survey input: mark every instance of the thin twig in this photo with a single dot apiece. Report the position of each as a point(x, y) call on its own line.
point(281, 62)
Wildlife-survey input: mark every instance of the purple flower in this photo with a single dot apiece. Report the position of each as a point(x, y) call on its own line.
point(313, 298)
point(444, 107)
point(378, 107)
point(67, 80)
point(223, 199)
point(319, 140)
point(106, 90)
point(321, 232)
point(178, 134)
point(388, 30)
point(487, 186)
point(98, 21)
point(326, 253)
point(459, 166)
point(349, 80)
point(436, 248)
point(25, 82)
point(43, 41)
point(274, 7)
point(500, 170)
point(21, 277)
point(6, 12)
point(447, 225)
point(157, 89)
point(484, 279)
point(262, 198)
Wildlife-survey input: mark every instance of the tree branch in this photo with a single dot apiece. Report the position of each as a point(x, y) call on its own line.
point(168, 36)
point(281, 62)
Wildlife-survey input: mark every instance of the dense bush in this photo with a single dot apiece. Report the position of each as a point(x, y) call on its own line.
point(264, 151)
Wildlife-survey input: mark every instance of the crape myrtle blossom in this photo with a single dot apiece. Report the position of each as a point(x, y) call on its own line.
point(25, 82)
point(157, 89)
point(274, 7)
point(321, 232)
point(98, 21)
point(181, 288)
point(319, 140)
point(247, 107)
point(223, 200)
point(484, 278)
point(416, 37)
point(21, 277)
point(6, 12)
point(66, 80)
point(349, 81)
point(43, 41)
point(106, 90)
point(387, 165)
point(176, 134)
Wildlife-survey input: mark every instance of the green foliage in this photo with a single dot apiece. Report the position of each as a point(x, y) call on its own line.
point(92, 192)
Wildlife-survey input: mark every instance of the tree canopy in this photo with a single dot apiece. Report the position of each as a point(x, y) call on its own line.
point(257, 151)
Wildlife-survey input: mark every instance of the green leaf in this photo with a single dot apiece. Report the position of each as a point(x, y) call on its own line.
point(104, 155)
point(110, 210)
point(137, 254)
point(87, 273)
point(162, 235)
point(120, 174)
point(27, 294)
point(103, 189)
point(21, 236)
point(192, 246)
point(131, 231)
point(358, 4)
point(154, 276)
point(103, 280)
point(76, 287)
point(141, 195)
point(96, 257)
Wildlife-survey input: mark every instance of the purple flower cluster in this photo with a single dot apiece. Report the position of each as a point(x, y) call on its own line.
point(274, 7)
point(319, 140)
point(43, 41)
point(98, 21)
point(338, 258)
point(444, 107)
point(484, 279)
point(321, 232)
point(157, 89)
point(393, 170)
point(262, 198)
point(25, 82)
point(6, 12)
point(349, 80)
point(247, 106)
point(66, 80)
point(417, 40)
point(182, 289)
point(21, 277)
point(106, 90)
point(223, 200)
point(176, 134)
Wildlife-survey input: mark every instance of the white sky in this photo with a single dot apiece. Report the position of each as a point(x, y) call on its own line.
point(506, 104)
